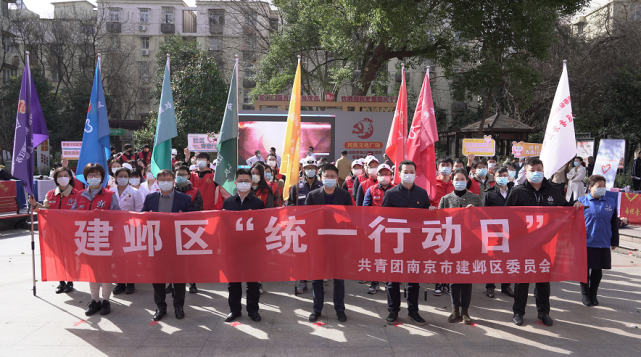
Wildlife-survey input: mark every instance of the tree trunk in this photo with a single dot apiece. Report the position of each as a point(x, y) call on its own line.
point(485, 112)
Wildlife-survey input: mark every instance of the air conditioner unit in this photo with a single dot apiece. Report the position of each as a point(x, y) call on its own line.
point(145, 52)
point(142, 28)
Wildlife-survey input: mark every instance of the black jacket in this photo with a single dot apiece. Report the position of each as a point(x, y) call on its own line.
point(399, 196)
point(317, 197)
point(493, 196)
point(526, 195)
point(182, 202)
point(301, 190)
point(234, 203)
point(636, 167)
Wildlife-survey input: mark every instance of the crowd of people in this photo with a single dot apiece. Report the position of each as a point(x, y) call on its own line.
point(460, 183)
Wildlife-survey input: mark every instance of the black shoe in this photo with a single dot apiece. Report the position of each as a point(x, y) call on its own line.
point(120, 287)
point(69, 287)
point(105, 309)
point(169, 289)
point(93, 307)
point(192, 288)
point(391, 318)
point(180, 313)
point(508, 291)
point(594, 300)
point(159, 314)
point(489, 292)
point(341, 316)
point(61, 287)
point(130, 289)
point(517, 319)
point(414, 316)
point(545, 318)
point(585, 299)
point(255, 316)
point(314, 316)
point(231, 317)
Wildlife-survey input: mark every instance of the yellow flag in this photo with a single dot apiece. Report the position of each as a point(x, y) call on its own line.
point(291, 146)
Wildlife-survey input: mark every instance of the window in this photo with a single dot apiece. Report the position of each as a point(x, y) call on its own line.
point(217, 17)
point(249, 43)
point(115, 14)
point(167, 16)
point(114, 42)
point(579, 27)
point(144, 15)
point(273, 23)
point(54, 75)
point(216, 43)
point(8, 73)
point(635, 12)
point(144, 43)
point(249, 71)
point(251, 19)
point(144, 71)
point(6, 43)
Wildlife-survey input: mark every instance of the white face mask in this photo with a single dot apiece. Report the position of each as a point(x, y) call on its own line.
point(310, 173)
point(122, 181)
point(94, 182)
point(357, 172)
point(149, 176)
point(202, 164)
point(383, 180)
point(114, 169)
point(372, 171)
point(408, 178)
point(134, 181)
point(255, 178)
point(165, 185)
point(271, 163)
point(243, 186)
point(63, 181)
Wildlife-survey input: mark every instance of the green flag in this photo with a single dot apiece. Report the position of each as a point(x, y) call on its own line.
point(165, 128)
point(227, 161)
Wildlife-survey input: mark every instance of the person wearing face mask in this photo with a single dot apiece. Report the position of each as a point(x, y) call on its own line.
point(96, 197)
point(374, 198)
point(329, 194)
point(310, 153)
point(64, 196)
point(256, 158)
point(145, 154)
point(243, 200)
point(511, 172)
point(576, 175)
point(168, 200)
point(203, 180)
point(273, 162)
point(276, 186)
point(366, 180)
point(357, 170)
point(461, 294)
point(135, 178)
point(298, 193)
point(260, 188)
point(602, 229)
point(484, 179)
point(497, 196)
point(150, 185)
point(344, 166)
point(272, 152)
point(491, 163)
point(408, 195)
point(113, 167)
point(128, 155)
point(131, 200)
point(174, 153)
point(472, 185)
point(535, 191)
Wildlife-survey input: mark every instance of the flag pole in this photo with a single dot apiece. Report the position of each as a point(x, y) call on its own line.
point(33, 243)
point(236, 72)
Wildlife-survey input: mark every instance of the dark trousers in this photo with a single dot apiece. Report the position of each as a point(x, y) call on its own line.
point(636, 184)
point(319, 295)
point(560, 186)
point(394, 296)
point(541, 292)
point(461, 295)
point(491, 285)
point(594, 279)
point(236, 294)
point(159, 295)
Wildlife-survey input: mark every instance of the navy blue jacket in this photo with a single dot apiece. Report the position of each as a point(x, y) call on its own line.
point(399, 196)
point(182, 202)
point(302, 189)
point(317, 197)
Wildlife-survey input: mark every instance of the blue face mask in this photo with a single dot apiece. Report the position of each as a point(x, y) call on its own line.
point(535, 177)
point(445, 170)
point(459, 185)
point(599, 192)
point(181, 180)
point(512, 174)
point(329, 183)
point(268, 176)
point(481, 172)
point(502, 181)
point(576, 163)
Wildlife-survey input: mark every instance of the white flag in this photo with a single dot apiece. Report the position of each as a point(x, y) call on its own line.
point(559, 145)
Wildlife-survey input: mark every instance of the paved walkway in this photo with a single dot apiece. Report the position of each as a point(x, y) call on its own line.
point(54, 325)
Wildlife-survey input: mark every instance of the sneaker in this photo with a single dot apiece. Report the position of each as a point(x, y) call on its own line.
point(120, 288)
point(260, 288)
point(391, 318)
point(341, 316)
point(314, 316)
point(414, 316)
point(192, 288)
point(169, 289)
point(105, 308)
point(61, 287)
point(373, 288)
point(445, 288)
point(69, 287)
point(131, 288)
point(437, 290)
point(93, 307)
point(302, 286)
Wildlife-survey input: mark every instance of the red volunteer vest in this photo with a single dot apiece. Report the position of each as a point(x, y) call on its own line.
point(366, 182)
point(207, 189)
point(192, 192)
point(262, 194)
point(146, 156)
point(378, 194)
point(277, 193)
point(101, 201)
point(62, 202)
point(350, 187)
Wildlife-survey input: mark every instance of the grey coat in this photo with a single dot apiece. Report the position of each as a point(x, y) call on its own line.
point(451, 200)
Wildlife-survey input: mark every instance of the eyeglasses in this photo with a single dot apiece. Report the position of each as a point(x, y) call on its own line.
point(243, 181)
point(182, 175)
point(94, 176)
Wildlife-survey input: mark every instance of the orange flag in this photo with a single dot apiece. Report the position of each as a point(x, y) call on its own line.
point(291, 146)
point(396, 148)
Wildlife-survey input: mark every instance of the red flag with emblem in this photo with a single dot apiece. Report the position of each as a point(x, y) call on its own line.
point(421, 139)
point(396, 148)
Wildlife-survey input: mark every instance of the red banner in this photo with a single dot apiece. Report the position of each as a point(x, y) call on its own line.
point(476, 245)
point(8, 188)
point(631, 207)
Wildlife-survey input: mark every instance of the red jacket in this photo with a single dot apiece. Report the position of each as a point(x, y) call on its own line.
point(377, 193)
point(207, 188)
point(101, 201)
point(145, 156)
point(62, 202)
point(442, 189)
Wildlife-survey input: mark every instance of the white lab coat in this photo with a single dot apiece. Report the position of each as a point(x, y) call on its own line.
point(576, 186)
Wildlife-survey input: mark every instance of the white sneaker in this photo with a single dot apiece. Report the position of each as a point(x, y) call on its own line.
point(437, 290)
point(302, 286)
point(373, 288)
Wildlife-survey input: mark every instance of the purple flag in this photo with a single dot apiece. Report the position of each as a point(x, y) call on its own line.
point(31, 130)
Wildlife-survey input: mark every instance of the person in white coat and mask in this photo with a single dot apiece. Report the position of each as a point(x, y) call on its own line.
point(576, 186)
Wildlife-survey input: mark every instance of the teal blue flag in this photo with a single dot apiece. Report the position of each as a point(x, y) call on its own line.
point(227, 161)
point(165, 128)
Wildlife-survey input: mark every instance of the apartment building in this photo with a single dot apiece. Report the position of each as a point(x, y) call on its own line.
point(9, 64)
point(606, 18)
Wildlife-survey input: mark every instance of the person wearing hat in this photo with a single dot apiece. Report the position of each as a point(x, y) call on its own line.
point(128, 155)
point(374, 198)
point(298, 195)
point(254, 159)
point(366, 180)
point(174, 153)
point(357, 170)
point(145, 154)
point(344, 166)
